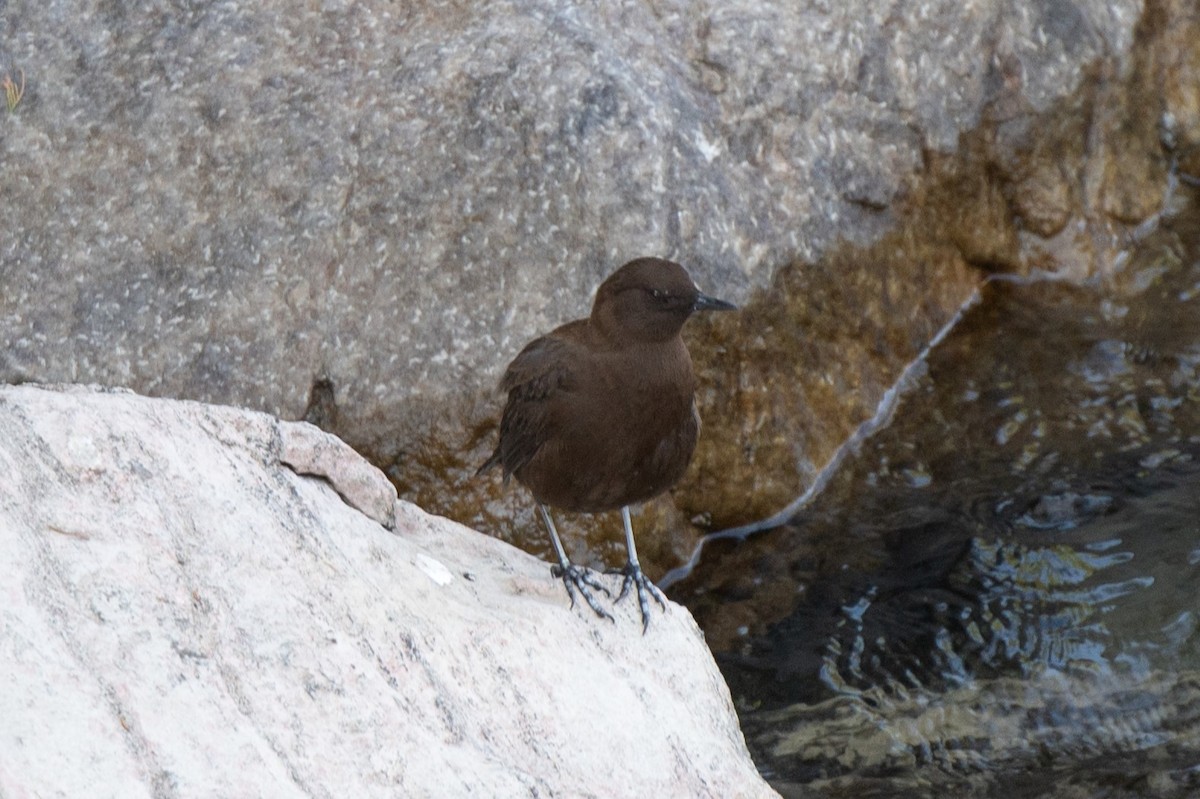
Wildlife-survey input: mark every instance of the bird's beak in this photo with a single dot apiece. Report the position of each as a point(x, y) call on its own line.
point(706, 303)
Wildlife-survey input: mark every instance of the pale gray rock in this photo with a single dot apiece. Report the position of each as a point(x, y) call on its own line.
point(182, 615)
point(227, 201)
point(308, 450)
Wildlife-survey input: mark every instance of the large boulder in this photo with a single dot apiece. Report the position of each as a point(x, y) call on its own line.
point(183, 615)
point(358, 212)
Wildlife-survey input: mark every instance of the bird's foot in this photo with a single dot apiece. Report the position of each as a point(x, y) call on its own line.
point(634, 576)
point(581, 579)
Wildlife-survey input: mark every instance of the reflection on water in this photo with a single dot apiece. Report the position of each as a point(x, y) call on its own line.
point(998, 592)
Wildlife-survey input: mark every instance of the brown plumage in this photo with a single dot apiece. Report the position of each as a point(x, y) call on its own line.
point(601, 412)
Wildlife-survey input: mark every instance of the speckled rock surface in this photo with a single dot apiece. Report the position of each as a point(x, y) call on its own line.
point(183, 615)
point(244, 204)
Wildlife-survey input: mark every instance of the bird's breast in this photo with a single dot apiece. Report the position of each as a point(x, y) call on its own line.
point(626, 435)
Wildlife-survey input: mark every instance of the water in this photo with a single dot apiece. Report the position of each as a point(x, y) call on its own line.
point(997, 594)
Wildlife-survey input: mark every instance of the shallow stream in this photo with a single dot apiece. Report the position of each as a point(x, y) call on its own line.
point(997, 594)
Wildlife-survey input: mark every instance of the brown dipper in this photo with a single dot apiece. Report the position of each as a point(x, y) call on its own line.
point(601, 411)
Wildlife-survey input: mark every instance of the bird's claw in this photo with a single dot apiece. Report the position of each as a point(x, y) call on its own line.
point(634, 576)
point(581, 579)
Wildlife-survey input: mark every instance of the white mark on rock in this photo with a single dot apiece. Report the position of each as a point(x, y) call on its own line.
point(434, 569)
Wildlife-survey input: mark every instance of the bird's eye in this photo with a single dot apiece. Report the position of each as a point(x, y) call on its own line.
point(658, 295)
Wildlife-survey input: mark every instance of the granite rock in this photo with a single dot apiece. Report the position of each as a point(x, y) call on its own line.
point(183, 615)
point(379, 204)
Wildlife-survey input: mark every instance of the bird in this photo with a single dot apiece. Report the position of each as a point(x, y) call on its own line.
point(601, 412)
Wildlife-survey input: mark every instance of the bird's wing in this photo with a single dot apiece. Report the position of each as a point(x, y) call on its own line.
point(537, 374)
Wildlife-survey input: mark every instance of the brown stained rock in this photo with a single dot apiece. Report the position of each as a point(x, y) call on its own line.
point(1043, 186)
point(810, 361)
point(1129, 115)
point(1176, 69)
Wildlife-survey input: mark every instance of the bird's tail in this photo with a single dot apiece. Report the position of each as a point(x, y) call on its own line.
point(489, 463)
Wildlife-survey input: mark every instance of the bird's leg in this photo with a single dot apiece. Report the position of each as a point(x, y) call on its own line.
point(575, 578)
point(633, 574)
